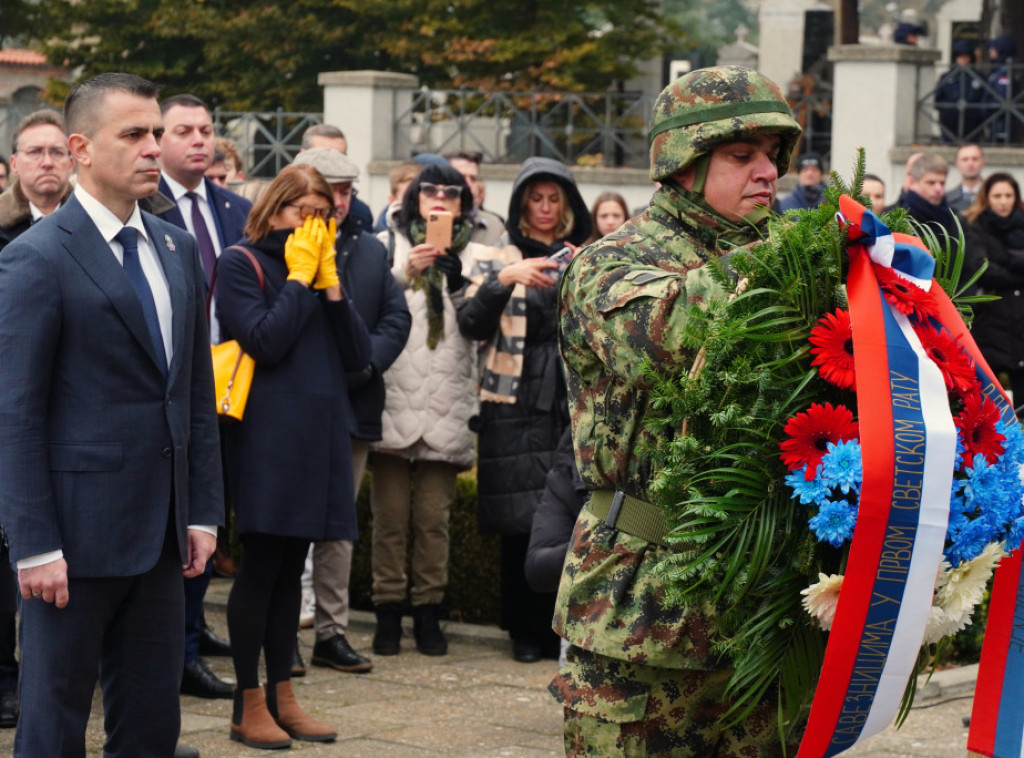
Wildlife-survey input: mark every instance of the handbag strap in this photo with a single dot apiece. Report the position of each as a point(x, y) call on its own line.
point(213, 277)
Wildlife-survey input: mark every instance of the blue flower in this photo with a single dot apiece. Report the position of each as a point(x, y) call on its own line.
point(1015, 535)
point(813, 492)
point(984, 483)
point(1013, 444)
point(969, 543)
point(834, 522)
point(841, 466)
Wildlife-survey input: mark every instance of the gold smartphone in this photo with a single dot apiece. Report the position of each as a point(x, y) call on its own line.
point(439, 230)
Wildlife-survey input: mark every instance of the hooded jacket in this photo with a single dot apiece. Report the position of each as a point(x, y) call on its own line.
point(518, 440)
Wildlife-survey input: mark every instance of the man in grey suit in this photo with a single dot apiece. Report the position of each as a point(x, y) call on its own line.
point(110, 485)
point(970, 162)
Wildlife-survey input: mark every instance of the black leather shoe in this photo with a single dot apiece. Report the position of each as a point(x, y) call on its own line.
point(198, 680)
point(211, 644)
point(298, 667)
point(337, 654)
point(8, 709)
point(526, 651)
point(185, 751)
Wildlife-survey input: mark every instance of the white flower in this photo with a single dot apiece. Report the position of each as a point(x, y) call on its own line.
point(822, 597)
point(957, 592)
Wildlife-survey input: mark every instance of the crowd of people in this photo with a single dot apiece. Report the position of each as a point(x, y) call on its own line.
point(379, 347)
point(372, 348)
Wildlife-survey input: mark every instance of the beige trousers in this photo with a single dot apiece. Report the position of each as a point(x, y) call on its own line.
point(418, 494)
point(332, 566)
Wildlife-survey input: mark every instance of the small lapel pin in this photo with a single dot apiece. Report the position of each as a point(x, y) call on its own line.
point(227, 204)
point(169, 242)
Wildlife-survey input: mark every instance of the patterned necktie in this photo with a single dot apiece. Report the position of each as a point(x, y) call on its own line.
point(207, 253)
point(128, 238)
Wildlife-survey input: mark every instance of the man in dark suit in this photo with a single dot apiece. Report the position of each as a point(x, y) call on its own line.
point(216, 218)
point(110, 484)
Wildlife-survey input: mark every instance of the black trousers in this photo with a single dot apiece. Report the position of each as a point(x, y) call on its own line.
point(128, 632)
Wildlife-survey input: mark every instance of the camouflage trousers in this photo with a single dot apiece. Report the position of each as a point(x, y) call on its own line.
point(617, 709)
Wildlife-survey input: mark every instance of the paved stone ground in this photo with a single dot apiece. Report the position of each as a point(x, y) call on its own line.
point(475, 702)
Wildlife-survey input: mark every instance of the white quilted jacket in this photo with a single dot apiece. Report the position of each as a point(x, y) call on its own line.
point(431, 394)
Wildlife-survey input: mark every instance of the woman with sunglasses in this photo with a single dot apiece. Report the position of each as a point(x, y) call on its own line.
point(289, 467)
point(512, 306)
point(431, 395)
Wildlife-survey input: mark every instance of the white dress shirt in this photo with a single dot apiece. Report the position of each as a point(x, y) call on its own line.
point(185, 206)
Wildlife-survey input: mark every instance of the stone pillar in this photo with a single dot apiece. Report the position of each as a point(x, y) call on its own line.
point(781, 24)
point(874, 104)
point(365, 105)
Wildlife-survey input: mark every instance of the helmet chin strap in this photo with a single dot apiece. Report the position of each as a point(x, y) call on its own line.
point(700, 173)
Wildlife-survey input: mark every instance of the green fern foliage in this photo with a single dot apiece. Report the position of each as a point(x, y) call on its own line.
point(741, 542)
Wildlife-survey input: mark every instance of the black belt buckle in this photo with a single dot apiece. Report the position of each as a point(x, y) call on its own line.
point(614, 509)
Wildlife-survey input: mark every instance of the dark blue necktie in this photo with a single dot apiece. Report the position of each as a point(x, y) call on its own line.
point(129, 239)
point(207, 253)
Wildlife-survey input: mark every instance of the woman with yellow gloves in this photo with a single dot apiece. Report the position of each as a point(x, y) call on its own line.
point(288, 461)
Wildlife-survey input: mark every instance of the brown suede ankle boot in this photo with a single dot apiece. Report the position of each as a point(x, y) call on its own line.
point(289, 715)
point(252, 724)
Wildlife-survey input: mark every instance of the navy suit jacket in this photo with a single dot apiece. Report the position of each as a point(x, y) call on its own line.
point(230, 212)
point(99, 451)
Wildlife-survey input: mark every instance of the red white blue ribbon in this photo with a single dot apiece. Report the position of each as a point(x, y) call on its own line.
point(908, 444)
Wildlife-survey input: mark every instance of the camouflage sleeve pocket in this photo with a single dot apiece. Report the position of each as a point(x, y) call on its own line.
point(638, 285)
point(601, 687)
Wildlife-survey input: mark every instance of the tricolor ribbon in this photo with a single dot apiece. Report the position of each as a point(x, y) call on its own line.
point(908, 443)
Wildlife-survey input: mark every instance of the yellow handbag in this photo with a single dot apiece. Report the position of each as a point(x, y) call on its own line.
point(232, 376)
point(233, 368)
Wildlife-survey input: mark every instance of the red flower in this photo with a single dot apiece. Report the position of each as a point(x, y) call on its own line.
point(949, 355)
point(810, 432)
point(833, 348)
point(977, 425)
point(903, 295)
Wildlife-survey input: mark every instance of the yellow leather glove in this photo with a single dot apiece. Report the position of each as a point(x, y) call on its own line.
point(327, 274)
point(302, 250)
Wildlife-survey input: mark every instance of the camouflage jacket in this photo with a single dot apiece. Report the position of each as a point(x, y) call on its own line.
point(623, 301)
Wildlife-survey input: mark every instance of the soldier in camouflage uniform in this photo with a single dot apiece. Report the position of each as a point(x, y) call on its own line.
point(642, 678)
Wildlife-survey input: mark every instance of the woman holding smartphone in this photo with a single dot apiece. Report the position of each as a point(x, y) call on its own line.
point(431, 395)
point(512, 306)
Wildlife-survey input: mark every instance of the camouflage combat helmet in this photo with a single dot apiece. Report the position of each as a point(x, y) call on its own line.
point(711, 106)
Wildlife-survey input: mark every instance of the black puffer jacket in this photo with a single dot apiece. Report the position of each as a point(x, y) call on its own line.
point(564, 496)
point(517, 441)
point(998, 326)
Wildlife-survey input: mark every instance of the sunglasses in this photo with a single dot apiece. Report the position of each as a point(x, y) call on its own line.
point(449, 191)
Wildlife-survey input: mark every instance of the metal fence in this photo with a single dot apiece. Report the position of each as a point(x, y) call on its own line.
point(597, 129)
point(983, 104)
point(587, 128)
point(268, 140)
point(602, 128)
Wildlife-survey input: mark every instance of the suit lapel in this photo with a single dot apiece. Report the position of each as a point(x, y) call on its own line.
point(86, 245)
point(173, 215)
point(221, 214)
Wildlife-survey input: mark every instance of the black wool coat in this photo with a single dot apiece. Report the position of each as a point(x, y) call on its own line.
point(289, 461)
point(998, 326)
point(365, 273)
